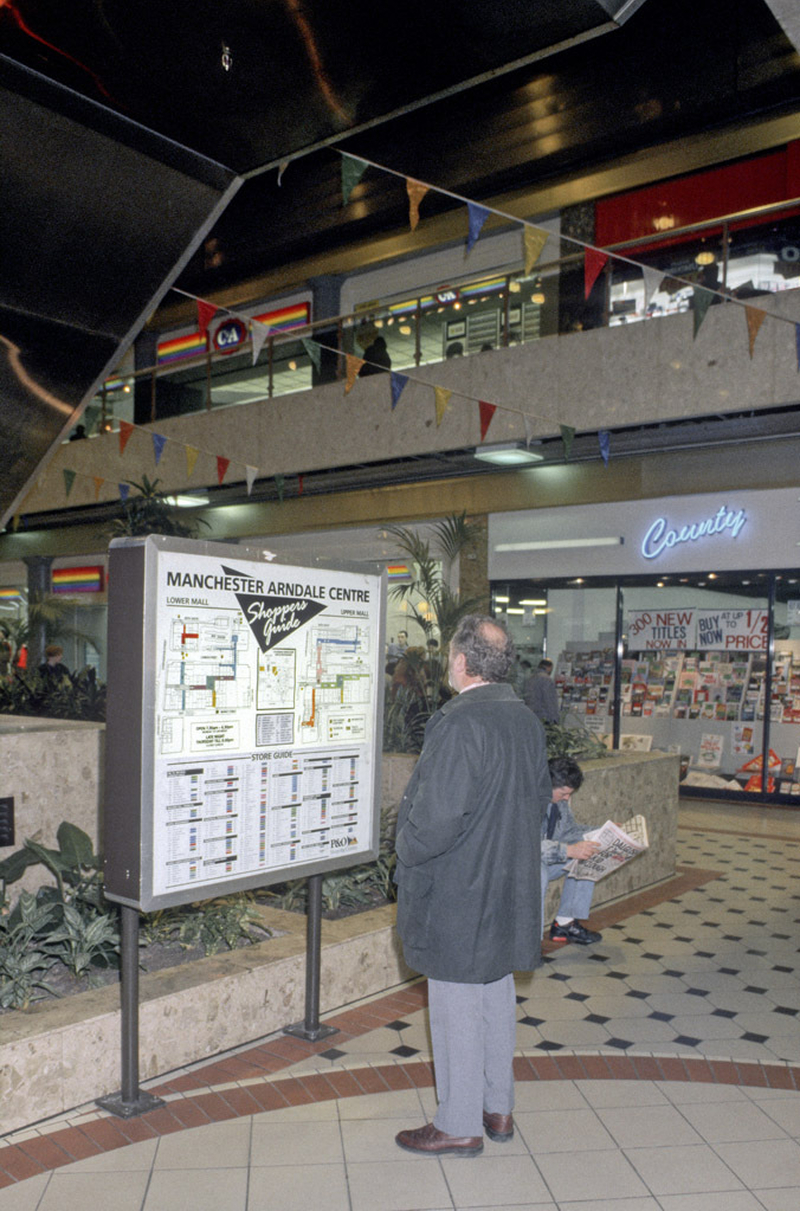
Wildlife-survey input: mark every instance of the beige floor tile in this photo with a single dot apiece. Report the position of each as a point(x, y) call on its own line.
point(601, 1175)
point(366, 1140)
point(643, 1126)
point(549, 1095)
point(216, 1146)
point(296, 1188)
point(397, 1185)
point(562, 1131)
point(773, 1163)
point(612, 1204)
point(723, 1123)
point(785, 1199)
point(24, 1196)
point(729, 1200)
point(195, 1190)
point(693, 1169)
point(310, 1112)
point(621, 1093)
point(506, 1179)
point(121, 1160)
point(77, 1191)
point(682, 1093)
point(399, 1105)
point(785, 1113)
point(296, 1143)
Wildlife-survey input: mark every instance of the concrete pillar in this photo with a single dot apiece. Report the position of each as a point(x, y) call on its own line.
point(326, 294)
point(39, 586)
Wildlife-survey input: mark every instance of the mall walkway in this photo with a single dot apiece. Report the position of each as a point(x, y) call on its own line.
point(658, 1071)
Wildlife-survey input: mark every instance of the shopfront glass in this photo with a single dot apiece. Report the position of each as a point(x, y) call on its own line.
point(692, 657)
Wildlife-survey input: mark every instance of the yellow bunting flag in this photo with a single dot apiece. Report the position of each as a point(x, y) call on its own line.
point(533, 241)
point(442, 400)
point(755, 318)
point(416, 192)
point(125, 430)
point(354, 364)
point(98, 483)
point(191, 458)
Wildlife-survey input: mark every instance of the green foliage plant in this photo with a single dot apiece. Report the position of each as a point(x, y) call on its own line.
point(78, 696)
point(152, 511)
point(213, 925)
point(26, 952)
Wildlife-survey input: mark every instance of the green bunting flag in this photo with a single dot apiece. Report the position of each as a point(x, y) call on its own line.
point(69, 480)
point(313, 352)
point(567, 437)
point(701, 301)
point(352, 172)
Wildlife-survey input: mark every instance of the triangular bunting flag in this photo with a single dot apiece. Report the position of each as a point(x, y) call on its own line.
point(205, 314)
point(797, 343)
point(477, 217)
point(258, 334)
point(69, 480)
point(701, 301)
point(352, 172)
point(755, 318)
point(313, 352)
point(604, 440)
point(279, 483)
point(567, 438)
point(486, 411)
point(526, 420)
point(442, 396)
point(250, 474)
point(300, 485)
point(593, 262)
point(284, 164)
point(398, 382)
point(222, 467)
point(354, 364)
point(98, 483)
point(159, 443)
point(125, 431)
point(652, 280)
point(15, 522)
point(416, 192)
point(191, 458)
point(533, 241)
point(124, 489)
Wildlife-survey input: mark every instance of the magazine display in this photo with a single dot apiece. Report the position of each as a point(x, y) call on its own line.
point(618, 844)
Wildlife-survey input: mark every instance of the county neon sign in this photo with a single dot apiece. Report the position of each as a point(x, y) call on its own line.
point(661, 537)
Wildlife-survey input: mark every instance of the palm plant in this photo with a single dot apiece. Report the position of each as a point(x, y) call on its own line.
point(152, 512)
point(433, 603)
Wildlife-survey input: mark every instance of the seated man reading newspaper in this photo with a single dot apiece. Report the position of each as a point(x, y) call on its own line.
point(582, 855)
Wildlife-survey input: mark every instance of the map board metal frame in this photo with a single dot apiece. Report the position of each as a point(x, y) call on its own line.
point(244, 721)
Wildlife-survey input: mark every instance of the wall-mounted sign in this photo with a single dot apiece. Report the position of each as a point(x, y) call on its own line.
point(243, 738)
point(77, 580)
point(450, 295)
point(230, 334)
point(662, 537)
point(676, 630)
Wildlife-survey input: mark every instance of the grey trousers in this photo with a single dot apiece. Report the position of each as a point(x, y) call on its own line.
point(576, 896)
point(473, 1028)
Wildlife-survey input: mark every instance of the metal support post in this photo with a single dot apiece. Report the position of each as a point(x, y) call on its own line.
point(310, 1028)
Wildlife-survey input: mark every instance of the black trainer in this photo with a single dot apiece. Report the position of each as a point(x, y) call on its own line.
point(574, 932)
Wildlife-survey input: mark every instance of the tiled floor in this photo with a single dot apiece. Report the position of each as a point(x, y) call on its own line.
point(658, 1071)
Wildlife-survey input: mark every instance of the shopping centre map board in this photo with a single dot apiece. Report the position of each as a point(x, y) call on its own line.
point(244, 730)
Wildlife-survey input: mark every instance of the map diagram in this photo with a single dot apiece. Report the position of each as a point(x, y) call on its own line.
point(335, 684)
point(206, 672)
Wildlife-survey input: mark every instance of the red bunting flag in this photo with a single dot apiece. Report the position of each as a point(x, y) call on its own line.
point(222, 467)
point(98, 483)
point(593, 263)
point(205, 314)
point(487, 411)
point(125, 430)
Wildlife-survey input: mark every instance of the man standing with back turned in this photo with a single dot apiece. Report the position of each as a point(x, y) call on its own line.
point(468, 875)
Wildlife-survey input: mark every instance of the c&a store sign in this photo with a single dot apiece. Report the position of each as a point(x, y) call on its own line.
point(677, 630)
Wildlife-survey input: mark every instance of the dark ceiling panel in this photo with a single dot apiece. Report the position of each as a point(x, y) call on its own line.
point(99, 216)
point(248, 82)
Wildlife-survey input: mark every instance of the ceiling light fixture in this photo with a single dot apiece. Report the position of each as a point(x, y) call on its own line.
point(508, 454)
point(556, 544)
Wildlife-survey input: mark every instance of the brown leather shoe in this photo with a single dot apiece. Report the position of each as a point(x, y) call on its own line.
point(433, 1142)
point(499, 1127)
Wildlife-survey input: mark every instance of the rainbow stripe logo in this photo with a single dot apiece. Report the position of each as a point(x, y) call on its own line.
point(78, 580)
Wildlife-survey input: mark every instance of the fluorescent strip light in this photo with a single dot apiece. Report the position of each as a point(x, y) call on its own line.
point(511, 610)
point(512, 454)
point(556, 544)
point(534, 601)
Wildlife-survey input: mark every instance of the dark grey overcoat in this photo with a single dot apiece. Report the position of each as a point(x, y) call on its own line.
point(469, 840)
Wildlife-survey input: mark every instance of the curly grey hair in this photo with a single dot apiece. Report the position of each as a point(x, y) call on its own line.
point(488, 648)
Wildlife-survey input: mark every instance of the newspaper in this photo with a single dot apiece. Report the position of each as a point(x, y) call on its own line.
point(619, 843)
